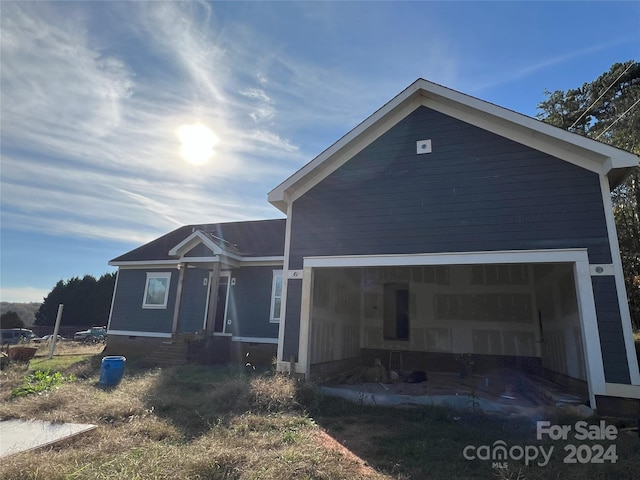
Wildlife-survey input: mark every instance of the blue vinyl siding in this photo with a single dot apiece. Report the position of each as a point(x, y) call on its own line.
point(248, 308)
point(128, 313)
point(250, 303)
point(614, 355)
point(194, 300)
point(292, 325)
point(476, 192)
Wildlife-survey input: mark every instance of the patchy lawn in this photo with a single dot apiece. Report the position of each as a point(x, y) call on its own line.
point(196, 422)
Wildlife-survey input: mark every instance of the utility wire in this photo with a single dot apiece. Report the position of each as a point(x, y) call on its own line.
point(602, 95)
point(620, 117)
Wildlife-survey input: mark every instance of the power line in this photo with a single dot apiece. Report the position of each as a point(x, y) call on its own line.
point(602, 95)
point(620, 117)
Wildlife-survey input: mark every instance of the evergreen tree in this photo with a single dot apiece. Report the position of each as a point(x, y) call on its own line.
point(11, 320)
point(86, 301)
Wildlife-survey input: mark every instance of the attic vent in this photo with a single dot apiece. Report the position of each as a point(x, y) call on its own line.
point(423, 146)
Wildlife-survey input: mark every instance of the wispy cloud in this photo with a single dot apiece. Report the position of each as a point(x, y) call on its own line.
point(89, 131)
point(89, 144)
point(264, 109)
point(90, 116)
point(531, 68)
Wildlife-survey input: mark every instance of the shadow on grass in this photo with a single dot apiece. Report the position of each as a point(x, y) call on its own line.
point(196, 398)
point(422, 442)
point(428, 442)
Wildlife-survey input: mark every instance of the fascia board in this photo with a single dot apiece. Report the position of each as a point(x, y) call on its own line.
point(145, 263)
point(520, 134)
point(223, 258)
point(564, 255)
point(433, 90)
point(228, 259)
point(261, 261)
point(191, 241)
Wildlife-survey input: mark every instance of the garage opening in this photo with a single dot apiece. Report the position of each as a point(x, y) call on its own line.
point(491, 321)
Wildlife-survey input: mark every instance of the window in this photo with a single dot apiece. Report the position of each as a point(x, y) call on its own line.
point(156, 290)
point(276, 296)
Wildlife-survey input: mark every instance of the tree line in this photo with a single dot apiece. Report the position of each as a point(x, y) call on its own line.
point(86, 301)
point(20, 314)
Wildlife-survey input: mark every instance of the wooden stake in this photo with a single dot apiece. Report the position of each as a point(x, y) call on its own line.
point(55, 331)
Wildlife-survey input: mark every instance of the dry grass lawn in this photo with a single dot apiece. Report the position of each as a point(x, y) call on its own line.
point(224, 423)
point(155, 425)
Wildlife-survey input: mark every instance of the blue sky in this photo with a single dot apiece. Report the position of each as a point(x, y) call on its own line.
point(93, 95)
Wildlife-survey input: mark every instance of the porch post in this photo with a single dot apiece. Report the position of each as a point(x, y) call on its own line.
point(589, 328)
point(176, 309)
point(213, 299)
point(304, 343)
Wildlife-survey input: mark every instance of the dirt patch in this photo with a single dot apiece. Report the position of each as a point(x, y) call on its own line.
point(360, 467)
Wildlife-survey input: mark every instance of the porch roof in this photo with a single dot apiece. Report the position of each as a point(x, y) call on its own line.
point(250, 239)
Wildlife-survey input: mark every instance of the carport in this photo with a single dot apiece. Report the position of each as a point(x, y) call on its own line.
point(531, 311)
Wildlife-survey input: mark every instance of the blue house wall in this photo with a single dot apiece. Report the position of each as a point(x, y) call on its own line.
point(127, 312)
point(250, 302)
point(194, 300)
point(476, 191)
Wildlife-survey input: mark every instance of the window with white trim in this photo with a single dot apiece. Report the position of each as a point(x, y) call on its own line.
point(276, 297)
point(156, 290)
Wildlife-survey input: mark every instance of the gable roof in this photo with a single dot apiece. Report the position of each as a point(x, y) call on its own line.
point(582, 151)
point(212, 243)
point(250, 239)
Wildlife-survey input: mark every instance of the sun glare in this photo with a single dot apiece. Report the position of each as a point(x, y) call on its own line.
point(197, 143)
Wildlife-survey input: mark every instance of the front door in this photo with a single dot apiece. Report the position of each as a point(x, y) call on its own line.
point(220, 317)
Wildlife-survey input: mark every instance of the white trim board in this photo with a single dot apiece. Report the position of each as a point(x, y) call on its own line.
point(113, 299)
point(622, 390)
point(567, 255)
point(146, 263)
point(285, 269)
point(269, 340)
point(194, 239)
point(127, 333)
point(625, 314)
point(261, 261)
point(237, 262)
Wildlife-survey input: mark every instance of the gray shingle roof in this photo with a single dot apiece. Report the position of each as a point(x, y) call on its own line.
point(257, 238)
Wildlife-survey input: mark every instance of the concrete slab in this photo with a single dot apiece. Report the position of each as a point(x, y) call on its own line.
point(503, 391)
point(18, 435)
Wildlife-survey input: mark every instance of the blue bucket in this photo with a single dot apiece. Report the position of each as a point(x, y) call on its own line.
point(112, 371)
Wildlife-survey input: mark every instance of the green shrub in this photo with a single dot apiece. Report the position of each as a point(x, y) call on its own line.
point(40, 381)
